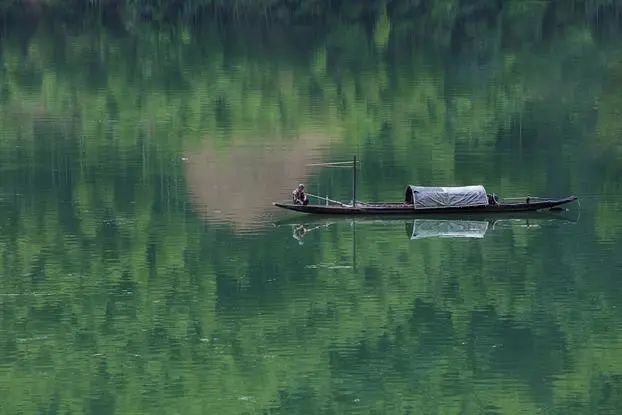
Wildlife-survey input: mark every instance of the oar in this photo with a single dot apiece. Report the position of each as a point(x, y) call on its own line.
point(330, 200)
point(332, 163)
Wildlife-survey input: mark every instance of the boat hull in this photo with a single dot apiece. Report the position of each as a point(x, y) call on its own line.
point(405, 209)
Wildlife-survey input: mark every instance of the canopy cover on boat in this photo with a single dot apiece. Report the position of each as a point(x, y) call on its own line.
point(435, 197)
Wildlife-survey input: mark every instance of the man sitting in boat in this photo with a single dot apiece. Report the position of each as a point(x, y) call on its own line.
point(299, 197)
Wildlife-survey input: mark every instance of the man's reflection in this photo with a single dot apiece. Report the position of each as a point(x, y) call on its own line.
point(299, 232)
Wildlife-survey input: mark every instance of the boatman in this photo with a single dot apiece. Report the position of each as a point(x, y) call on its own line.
point(298, 195)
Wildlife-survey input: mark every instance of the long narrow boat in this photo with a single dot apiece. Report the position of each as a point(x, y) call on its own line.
point(431, 200)
point(501, 206)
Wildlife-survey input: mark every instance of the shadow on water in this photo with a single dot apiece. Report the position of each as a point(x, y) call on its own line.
point(569, 215)
point(432, 226)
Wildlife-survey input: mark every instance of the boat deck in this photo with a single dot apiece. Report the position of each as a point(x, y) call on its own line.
point(373, 208)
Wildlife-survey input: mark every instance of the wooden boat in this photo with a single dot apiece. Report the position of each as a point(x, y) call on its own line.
point(502, 206)
point(420, 200)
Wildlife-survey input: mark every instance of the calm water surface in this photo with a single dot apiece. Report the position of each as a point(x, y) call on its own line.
point(144, 270)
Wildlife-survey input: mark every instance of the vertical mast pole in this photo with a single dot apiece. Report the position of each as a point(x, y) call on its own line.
point(354, 182)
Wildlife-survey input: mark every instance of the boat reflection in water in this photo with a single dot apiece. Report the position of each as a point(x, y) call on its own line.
point(430, 228)
point(299, 231)
point(416, 229)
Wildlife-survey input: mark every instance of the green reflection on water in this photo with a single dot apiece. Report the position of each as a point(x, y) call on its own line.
point(127, 286)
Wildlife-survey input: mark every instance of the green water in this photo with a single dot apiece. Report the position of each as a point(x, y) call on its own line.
point(143, 268)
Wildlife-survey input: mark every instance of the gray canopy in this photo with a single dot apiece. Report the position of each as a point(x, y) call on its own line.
point(435, 197)
point(430, 228)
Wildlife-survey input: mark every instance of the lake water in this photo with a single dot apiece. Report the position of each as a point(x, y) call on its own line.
point(143, 268)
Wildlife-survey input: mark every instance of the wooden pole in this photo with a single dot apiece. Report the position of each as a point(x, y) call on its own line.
point(354, 182)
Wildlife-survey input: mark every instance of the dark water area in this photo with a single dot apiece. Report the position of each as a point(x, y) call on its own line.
point(143, 268)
